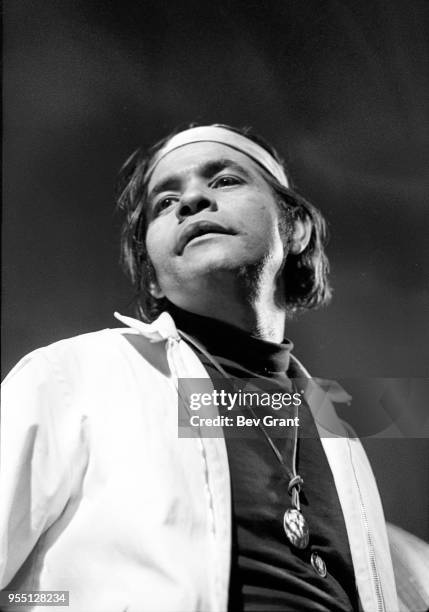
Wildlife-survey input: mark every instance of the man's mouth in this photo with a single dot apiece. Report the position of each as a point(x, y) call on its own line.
point(199, 228)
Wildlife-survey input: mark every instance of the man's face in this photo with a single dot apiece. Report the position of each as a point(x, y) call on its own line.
point(210, 214)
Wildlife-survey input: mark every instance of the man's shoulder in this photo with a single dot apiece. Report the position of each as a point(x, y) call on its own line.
point(94, 340)
point(88, 351)
point(97, 340)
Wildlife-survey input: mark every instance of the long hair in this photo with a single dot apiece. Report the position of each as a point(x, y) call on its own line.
point(306, 274)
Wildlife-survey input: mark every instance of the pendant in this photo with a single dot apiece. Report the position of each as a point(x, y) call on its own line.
point(296, 528)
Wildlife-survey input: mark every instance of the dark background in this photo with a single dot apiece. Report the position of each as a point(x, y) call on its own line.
point(339, 87)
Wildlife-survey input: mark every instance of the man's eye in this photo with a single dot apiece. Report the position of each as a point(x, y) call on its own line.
point(226, 181)
point(164, 204)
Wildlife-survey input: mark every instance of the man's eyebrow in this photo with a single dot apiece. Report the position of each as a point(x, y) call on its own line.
point(206, 170)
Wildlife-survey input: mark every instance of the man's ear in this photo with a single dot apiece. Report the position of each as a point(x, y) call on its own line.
point(301, 235)
point(155, 290)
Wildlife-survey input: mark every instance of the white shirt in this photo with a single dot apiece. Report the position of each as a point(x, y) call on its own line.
point(100, 497)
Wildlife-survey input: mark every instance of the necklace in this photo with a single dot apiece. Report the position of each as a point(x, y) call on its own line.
point(294, 524)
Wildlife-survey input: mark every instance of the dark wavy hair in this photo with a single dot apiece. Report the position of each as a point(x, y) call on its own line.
point(305, 274)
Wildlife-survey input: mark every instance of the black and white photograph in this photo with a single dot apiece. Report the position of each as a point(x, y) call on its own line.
point(215, 300)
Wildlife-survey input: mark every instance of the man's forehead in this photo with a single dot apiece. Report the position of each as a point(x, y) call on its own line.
point(222, 135)
point(200, 157)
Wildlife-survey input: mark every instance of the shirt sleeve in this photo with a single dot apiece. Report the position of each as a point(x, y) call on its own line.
point(39, 439)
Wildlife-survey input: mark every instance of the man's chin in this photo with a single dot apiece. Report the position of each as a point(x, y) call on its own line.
point(207, 265)
point(210, 256)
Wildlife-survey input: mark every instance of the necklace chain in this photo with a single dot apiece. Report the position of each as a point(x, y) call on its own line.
point(294, 523)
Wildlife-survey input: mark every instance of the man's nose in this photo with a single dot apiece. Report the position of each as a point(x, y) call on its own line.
point(194, 200)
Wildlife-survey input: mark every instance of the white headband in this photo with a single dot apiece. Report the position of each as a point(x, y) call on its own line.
point(212, 133)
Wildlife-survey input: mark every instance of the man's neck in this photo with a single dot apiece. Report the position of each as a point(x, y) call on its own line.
point(262, 320)
point(259, 313)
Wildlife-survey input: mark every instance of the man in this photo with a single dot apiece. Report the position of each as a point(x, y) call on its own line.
point(100, 495)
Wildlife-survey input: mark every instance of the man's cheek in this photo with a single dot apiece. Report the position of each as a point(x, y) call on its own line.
point(157, 249)
point(170, 277)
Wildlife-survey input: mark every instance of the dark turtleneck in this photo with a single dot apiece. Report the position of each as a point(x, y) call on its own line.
point(249, 353)
point(267, 573)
